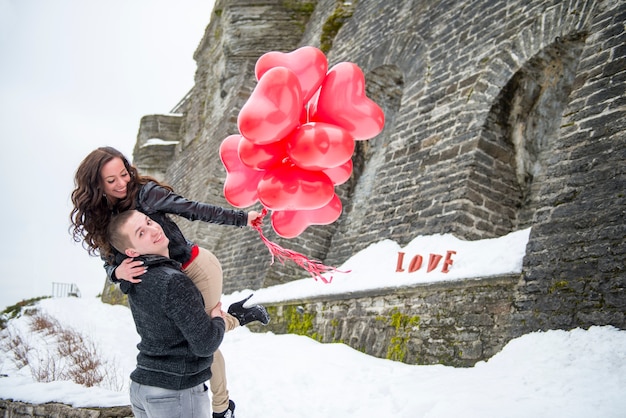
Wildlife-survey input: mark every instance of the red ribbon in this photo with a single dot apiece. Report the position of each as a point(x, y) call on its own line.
point(313, 267)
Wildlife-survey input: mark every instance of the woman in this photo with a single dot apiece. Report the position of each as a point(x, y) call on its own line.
point(107, 184)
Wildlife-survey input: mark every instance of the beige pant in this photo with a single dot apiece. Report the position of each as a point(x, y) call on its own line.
point(206, 273)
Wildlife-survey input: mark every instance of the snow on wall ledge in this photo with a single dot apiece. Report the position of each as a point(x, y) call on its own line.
point(385, 264)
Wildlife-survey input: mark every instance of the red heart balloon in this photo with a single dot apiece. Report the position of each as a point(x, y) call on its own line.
point(342, 102)
point(290, 224)
point(273, 109)
point(309, 108)
point(308, 63)
point(319, 145)
point(262, 157)
point(240, 186)
point(339, 175)
point(289, 187)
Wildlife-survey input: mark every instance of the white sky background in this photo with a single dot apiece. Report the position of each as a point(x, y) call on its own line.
point(76, 75)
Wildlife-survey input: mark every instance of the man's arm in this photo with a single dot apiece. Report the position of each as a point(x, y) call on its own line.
point(184, 305)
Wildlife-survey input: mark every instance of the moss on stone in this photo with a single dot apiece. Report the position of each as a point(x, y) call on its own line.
point(317, 337)
point(305, 8)
point(112, 295)
point(334, 323)
point(560, 285)
point(331, 26)
point(300, 323)
point(217, 34)
point(14, 311)
point(403, 325)
point(301, 11)
point(272, 311)
point(401, 321)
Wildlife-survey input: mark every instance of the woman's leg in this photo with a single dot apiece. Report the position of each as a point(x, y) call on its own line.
point(218, 383)
point(206, 273)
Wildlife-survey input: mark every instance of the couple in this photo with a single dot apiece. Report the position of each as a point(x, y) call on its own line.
point(107, 187)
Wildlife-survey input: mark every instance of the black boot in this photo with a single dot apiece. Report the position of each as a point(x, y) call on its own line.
point(229, 413)
point(247, 315)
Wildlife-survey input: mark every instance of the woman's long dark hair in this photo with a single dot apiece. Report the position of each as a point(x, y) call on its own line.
point(92, 210)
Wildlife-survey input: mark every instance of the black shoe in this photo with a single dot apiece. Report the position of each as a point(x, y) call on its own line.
point(251, 314)
point(229, 413)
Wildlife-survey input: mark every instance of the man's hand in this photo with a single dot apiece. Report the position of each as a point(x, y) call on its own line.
point(217, 311)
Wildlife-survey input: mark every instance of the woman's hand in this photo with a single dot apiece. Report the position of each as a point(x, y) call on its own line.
point(129, 270)
point(253, 215)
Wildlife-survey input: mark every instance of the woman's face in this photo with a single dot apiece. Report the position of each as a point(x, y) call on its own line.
point(114, 178)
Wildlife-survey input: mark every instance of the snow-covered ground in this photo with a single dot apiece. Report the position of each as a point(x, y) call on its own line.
point(577, 373)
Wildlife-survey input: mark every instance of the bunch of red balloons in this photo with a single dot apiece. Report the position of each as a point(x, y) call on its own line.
point(297, 134)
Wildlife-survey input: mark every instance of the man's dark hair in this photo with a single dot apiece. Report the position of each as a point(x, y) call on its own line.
point(118, 239)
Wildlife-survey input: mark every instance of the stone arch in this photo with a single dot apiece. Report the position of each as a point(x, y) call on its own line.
point(500, 63)
point(521, 128)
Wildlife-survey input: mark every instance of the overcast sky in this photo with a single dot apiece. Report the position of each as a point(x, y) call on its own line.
point(76, 75)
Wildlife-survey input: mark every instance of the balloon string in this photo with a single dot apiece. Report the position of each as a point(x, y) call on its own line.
point(313, 267)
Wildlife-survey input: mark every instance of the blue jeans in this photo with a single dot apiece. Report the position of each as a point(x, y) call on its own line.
point(153, 402)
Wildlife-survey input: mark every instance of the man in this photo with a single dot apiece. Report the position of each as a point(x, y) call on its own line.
point(178, 338)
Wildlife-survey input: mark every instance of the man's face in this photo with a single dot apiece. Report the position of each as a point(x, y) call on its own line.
point(146, 236)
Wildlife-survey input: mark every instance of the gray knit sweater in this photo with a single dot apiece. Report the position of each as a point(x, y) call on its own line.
point(178, 338)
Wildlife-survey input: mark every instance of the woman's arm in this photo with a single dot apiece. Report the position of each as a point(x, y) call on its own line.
point(128, 270)
point(154, 198)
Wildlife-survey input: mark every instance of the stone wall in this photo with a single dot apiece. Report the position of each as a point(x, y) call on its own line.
point(574, 273)
point(14, 409)
point(156, 143)
point(499, 116)
point(456, 323)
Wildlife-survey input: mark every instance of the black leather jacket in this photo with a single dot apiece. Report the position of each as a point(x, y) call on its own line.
point(156, 202)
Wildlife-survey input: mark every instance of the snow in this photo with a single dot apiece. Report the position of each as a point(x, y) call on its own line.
point(576, 373)
point(376, 266)
point(158, 141)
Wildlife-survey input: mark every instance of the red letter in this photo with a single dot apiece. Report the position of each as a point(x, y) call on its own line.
point(433, 261)
point(399, 268)
point(448, 261)
point(415, 264)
